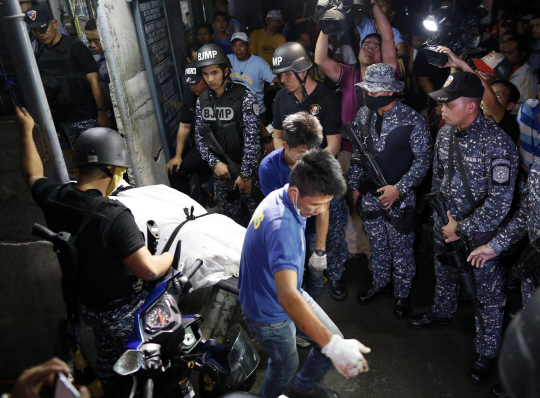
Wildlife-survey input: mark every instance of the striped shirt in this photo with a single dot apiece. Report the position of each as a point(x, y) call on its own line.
point(526, 82)
point(529, 127)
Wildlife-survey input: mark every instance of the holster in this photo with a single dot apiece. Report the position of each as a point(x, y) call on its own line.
point(404, 224)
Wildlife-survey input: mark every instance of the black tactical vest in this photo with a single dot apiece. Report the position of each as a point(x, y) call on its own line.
point(63, 84)
point(101, 277)
point(396, 158)
point(229, 111)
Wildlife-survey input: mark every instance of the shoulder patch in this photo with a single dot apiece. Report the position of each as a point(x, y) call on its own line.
point(500, 171)
point(255, 108)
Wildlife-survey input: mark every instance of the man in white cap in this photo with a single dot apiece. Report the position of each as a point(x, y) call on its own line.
point(263, 42)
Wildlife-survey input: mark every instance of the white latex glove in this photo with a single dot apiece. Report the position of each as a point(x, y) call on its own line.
point(346, 355)
point(316, 262)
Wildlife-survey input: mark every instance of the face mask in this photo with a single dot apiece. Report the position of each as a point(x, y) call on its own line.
point(381, 101)
point(295, 203)
point(117, 177)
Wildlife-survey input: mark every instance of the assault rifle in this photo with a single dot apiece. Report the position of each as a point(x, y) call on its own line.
point(367, 160)
point(527, 266)
point(210, 141)
point(456, 256)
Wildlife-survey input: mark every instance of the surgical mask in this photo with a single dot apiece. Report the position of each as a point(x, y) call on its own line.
point(295, 203)
point(116, 178)
point(381, 101)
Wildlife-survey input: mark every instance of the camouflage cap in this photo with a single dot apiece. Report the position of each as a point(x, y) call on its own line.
point(381, 77)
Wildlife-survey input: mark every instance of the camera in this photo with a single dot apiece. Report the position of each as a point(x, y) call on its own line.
point(461, 36)
point(335, 16)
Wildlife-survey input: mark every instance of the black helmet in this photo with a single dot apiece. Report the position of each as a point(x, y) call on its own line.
point(519, 361)
point(291, 56)
point(212, 54)
point(100, 146)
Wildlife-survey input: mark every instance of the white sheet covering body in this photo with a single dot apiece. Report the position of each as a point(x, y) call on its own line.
point(215, 239)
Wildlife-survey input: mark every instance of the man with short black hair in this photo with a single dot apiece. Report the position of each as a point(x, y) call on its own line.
point(271, 273)
point(475, 167)
point(187, 160)
point(534, 58)
point(205, 34)
point(263, 42)
point(70, 77)
point(301, 133)
point(516, 51)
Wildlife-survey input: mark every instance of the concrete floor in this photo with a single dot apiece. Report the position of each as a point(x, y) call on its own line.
point(404, 362)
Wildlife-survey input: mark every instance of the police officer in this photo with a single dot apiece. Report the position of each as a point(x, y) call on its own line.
point(70, 77)
point(399, 138)
point(525, 221)
point(187, 160)
point(231, 112)
point(303, 93)
point(112, 256)
point(478, 184)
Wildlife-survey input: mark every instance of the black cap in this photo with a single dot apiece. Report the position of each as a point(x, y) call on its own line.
point(191, 73)
point(38, 17)
point(459, 84)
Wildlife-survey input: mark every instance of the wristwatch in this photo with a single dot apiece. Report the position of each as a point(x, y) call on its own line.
point(245, 177)
point(400, 56)
point(320, 252)
point(102, 109)
point(267, 139)
point(459, 232)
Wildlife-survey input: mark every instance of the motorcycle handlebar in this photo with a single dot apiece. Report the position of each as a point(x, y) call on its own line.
point(193, 270)
point(43, 232)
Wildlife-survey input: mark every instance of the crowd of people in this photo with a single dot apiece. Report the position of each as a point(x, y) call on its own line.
point(278, 130)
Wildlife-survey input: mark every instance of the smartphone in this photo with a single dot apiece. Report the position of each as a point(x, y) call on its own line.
point(64, 389)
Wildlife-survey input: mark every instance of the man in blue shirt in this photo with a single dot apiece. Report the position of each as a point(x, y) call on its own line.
point(301, 133)
point(271, 272)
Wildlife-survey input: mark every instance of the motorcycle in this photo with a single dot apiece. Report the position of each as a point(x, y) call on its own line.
point(166, 345)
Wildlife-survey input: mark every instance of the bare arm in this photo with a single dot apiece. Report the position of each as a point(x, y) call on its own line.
point(298, 309)
point(330, 67)
point(388, 46)
point(31, 165)
point(181, 139)
point(148, 267)
point(426, 84)
point(321, 227)
point(489, 97)
point(333, 143)
point(278, 139)
point(97, 91)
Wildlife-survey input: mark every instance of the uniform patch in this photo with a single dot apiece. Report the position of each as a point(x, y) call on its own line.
point(223, 113)
point(255, 108)
point(448, 81)
point(315, 109)
point(500, 171)
point(32, 15)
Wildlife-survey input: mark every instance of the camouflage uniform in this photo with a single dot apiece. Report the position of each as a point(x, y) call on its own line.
point(74, 130)
point(490, 160)
point(388, 246)
point(336, 246)
point(250, 158)
point(111, 331)
point(525, 220)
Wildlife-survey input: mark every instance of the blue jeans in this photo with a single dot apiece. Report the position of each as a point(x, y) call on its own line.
point(278, 340)
point(313, 280)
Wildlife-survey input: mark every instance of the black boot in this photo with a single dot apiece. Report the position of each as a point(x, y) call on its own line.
point(338, 289)
point(427, 319)
point(402, 307)
point(498, 391)
point(367, 296)
point(481, 368)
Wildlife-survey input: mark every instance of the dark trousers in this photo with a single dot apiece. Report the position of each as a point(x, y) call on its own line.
point(192, 163)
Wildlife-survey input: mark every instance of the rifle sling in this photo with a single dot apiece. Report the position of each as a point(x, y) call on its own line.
point(454, 145)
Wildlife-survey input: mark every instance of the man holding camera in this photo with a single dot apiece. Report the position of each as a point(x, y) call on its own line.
point(399, 138)
point(475, 168)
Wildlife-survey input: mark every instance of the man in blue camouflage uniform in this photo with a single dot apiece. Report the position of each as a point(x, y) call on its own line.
point(302, 93)
point(237, 129)
point(399, 138)
point(525, 221)
point(477, 203)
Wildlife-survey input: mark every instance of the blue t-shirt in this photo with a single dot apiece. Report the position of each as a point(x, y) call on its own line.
point(366, 27)
point(225, 44)
point(274, 242)
point(274, 174)
point(252, 73)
